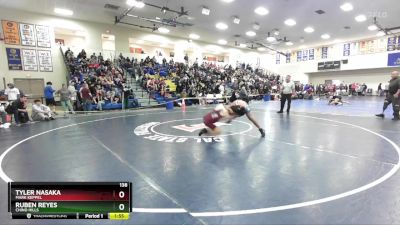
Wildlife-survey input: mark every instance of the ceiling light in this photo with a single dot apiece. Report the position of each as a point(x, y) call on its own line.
point(325, 36)
point(163, 30)
point(158, 18)
point(372, 27)
point(135, 3)
point(236, 20)
point(360, 18)
point(251, 33)
point(65, 12)
point(380, 34)
point(309, 30)
point(289, 43)
point(222, 42)
point(205, 11)
point(261, 11)
point(261, 49)
point(228, 1)
point(276, 32)
point(271, 39)
point(347, 7)
point(194, 36)
point(243, 45)
point(290, 22)
point(221, 26)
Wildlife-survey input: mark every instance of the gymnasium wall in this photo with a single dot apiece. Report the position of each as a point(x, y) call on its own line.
point(369, 68)
point(92, 42)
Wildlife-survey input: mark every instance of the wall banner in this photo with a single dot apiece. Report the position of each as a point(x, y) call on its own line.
point(45, 61)
point(29, 59)
point(14, 58)
point(43, 36)
point(27, 34)
point(11, 32)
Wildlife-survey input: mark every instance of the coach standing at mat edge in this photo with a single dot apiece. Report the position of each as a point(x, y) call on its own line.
point(393, 96)
point(287, 90)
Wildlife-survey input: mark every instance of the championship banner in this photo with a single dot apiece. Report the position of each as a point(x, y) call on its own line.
point(311, 54)
point(14, 58)
point(305, 55)
point(398, 43)
point(45, 61)
point(299, 56)
point(278, 58)
point(43, 36)
point(394, 59)
point(346, 49)
point(27, 34)
point(391, 45)
point(288, 56)
point(11, 32)
point(29, 59)
point(324, 53)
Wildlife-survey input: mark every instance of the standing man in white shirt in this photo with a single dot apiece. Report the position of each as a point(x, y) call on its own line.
point(12, 93)
point(288, 90)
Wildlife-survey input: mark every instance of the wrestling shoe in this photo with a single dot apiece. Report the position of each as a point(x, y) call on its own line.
point(203, 131)
point(380, 115)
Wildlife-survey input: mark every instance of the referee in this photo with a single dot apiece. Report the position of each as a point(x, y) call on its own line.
point(287, 90)
point(392, 96)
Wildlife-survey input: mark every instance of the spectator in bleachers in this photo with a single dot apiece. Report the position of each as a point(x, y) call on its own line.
point(65, 99)
point(86, 97)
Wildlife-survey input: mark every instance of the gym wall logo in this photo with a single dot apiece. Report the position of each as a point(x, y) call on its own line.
point(183, 131)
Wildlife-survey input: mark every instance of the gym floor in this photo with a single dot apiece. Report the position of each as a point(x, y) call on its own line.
point(319, 165)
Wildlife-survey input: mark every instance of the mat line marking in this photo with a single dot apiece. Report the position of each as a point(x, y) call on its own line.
point(260, 210)
point(148, 180)
point(326, 151)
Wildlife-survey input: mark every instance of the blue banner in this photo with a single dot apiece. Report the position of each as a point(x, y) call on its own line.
point(299, 56)
point(324, 54)
point(288, 56)
point(14, 58)
point(394, 59)
point(346, 49)
point(311, 55)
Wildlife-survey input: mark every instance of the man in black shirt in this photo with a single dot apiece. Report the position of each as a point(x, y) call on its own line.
point(393, 96)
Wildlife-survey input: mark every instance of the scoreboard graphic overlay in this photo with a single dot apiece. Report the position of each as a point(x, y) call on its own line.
point(70, 200)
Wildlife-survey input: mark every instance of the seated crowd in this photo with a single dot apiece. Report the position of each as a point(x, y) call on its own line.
point(96, 83)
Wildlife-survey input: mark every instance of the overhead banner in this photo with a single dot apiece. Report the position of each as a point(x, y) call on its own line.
point(324, 52)
point(14, 58)
point(278, 58)
point(29, 59)
point(311, 54)
point(346, 49)
point(45, 61)
point(391, 45)
point(11, 32)
point(43, 36)
point(394, 59)
point(288, 56)
point(27, 34)
point(299, 56)
point(305, 55)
